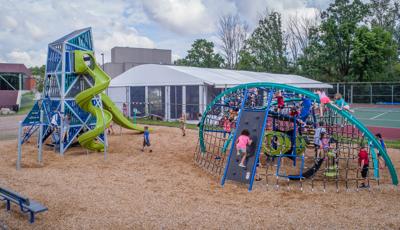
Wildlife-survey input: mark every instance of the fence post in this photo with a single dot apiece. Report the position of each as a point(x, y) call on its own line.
point(370, 92)
point(351, 93)
point(392, 94)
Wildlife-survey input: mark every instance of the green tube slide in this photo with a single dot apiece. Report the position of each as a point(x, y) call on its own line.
point(84, 100)
point(117, 116)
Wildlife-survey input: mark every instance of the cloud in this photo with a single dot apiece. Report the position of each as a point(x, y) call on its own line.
point(29, 58)
point(187, 16)
point(28, 26)
point(130, 38)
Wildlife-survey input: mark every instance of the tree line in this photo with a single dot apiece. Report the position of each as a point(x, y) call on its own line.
point(350, 41)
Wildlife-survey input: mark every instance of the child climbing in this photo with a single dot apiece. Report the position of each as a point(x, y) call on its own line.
point(324, 142)
point(241, 146)
point(305, 110)
point(340, 103)
point(146, 139)
point(182, 122)
point(227, 124)
point(67, 122)
point(380, 158)
point(294, 111)
point(280, 100)
point(323, 101)
point(317, 136)
point(363, 162)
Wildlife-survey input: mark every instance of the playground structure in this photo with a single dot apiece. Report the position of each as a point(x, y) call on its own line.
point(72, 105)
point(283, 144)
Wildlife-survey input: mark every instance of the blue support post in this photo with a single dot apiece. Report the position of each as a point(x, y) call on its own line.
point(40, 137)
point(19, 146)
point(294, 152)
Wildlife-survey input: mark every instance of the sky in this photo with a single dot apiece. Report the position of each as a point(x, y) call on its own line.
point(28, 26)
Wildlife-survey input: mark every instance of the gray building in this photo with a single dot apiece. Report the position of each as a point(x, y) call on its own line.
point(124, 58)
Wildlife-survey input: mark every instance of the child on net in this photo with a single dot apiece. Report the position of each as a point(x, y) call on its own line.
point(305, 110)
point(317, 136)
point(363, 162)
point(324, 100)
point(340, 103)
point(241, 146)
point(227, 124)
point(380, 158)
point(280, 101)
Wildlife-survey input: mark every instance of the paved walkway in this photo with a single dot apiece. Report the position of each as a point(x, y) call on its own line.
point(9, 126)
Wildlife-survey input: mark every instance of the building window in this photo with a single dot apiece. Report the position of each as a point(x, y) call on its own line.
point(9, 81)
point(212, 93)
point(157, 100)
point(137, 100)
point(176, 101)
point(192, 102)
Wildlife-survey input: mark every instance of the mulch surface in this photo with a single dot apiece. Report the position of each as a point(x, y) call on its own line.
point(165, 190)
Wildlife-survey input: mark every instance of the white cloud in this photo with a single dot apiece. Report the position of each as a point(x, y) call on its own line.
point(29, 58)
point(188, 16)
point(26, 27)
point(104, 42)
point(8, 22)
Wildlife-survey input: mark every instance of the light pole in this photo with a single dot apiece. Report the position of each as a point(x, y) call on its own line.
point(102, 61)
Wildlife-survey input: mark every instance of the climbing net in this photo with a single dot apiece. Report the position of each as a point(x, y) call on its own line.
point(302, 144)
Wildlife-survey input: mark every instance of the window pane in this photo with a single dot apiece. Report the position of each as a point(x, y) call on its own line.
point(176, 101)
point(157, 100)
point(138, 100)
point(192, 102)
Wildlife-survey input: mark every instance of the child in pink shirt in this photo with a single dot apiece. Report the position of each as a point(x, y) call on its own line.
point(242, 142)
point(227, 125)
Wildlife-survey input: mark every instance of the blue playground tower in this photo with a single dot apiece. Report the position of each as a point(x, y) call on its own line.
point(61, 85)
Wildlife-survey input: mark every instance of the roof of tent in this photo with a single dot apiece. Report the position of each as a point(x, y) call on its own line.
point(159, 75)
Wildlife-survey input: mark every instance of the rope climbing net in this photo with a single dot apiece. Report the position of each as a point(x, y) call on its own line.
point(301, 144)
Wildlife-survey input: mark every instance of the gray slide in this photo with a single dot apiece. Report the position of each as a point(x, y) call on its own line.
point(252, 121)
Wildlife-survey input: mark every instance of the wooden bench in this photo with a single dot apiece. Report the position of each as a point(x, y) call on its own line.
point(26, 205)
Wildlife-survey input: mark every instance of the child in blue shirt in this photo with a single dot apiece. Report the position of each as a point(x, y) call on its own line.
point(305, 110)
point(146, 139)
point(382, 142)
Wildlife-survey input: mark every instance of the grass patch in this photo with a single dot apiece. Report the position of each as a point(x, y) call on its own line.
point(176, 124)
point(27, 102)
point(394, 144)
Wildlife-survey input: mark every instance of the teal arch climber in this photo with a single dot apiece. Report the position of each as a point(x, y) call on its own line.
point(218, 157)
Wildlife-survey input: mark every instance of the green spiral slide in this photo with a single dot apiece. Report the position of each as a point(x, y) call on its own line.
point(85, 63)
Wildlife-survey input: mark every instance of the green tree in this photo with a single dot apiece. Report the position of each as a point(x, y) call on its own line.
point(38, 73)
point(332, 43)
point(202, 55)
point(373, 54)
point(246, 61)
point(267, 45)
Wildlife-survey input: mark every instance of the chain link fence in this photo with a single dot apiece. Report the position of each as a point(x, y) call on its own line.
point(368, 92)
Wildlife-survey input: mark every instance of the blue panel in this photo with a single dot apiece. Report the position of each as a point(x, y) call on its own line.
point(67, 62)
point(83, 115)
point(33, 116)
point(53, 58)
point(83, 41)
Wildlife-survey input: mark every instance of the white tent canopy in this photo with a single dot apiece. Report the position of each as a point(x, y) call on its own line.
point(165, 75)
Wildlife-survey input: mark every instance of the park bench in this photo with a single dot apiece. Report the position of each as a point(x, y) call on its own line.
point(24, 203)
